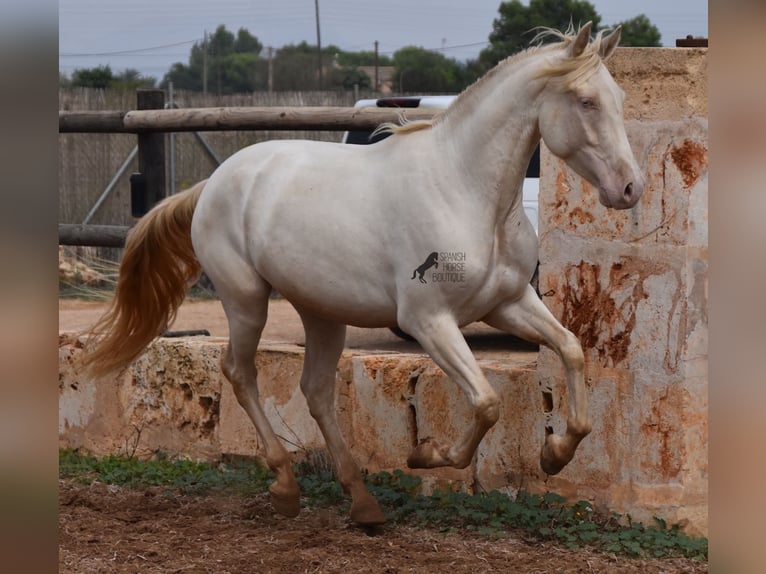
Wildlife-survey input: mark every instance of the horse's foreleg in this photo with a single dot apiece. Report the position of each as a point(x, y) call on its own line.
point(324, 344)
point(238, 365)
point(442, 339)
point(530, 319)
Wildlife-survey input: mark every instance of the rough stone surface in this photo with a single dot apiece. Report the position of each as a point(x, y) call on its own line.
point(632, 286)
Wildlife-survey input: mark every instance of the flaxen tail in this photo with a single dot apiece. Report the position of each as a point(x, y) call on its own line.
point(157, 267)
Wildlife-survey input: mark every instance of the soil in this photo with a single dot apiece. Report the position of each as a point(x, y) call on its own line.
point(117, 530)
point(284, 326)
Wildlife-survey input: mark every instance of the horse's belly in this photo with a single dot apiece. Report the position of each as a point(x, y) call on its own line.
point(337, 286)
point(341, 305)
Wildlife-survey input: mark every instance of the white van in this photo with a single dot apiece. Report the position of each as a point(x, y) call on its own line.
point(363, 137)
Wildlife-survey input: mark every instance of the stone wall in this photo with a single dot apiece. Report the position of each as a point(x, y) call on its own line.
point(633, 287)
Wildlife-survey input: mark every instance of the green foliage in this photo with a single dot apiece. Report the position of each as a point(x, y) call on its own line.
point(99, 77)
point(347, 78)
point(131, 79)
point(515, 27)
point(236, 64)
point(187, 476)
point(102, 77)
point(546, 517)
point(321, 487)
point(295, 67)
point(424, 71)
point(362, 58)
point(231, 62)
point(639, 31)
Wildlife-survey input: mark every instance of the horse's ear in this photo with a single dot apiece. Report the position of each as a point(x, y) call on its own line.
point(610, 42)
point(581, 42)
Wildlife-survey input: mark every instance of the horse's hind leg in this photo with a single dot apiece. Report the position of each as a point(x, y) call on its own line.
point(440, 336)
point(324, 344)
point(530, 318)
point(246, 312)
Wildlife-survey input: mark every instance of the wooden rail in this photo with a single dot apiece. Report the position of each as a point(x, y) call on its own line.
point(150, 123)
point(92, 235)
point(236, 118)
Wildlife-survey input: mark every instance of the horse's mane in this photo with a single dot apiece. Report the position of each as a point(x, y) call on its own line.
point(567, 71)
point(570, 71)
point(404, 126)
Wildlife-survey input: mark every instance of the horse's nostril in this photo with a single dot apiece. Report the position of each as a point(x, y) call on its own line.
point(628, 191)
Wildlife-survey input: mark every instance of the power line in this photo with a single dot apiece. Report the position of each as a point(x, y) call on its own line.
point(444, 48)
point(133, 51)
point(137, 51)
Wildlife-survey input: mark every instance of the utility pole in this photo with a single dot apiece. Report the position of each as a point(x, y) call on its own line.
point(376, 86)
point(204, 65)
point(271, 69)
point(319, 45)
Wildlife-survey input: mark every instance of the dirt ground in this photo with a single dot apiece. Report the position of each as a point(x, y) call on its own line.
point(111, 529)
point(284, 326)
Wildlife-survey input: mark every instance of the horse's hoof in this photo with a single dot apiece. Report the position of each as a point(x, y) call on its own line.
point(367, 513)
point(286, 504)
point(427, 455)
point(552, 458)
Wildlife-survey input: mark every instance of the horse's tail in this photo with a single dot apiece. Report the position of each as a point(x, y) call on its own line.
point(157, 267)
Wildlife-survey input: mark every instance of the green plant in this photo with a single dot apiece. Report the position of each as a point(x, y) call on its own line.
point(187, 476)
point(546, 517)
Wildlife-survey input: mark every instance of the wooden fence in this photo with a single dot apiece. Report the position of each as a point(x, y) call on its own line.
point(89, 161)
point(96, 140)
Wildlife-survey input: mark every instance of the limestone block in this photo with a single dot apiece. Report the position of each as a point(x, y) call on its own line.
point(508, 457)
point(167, 402)
point(661, 83)
point(378, 408)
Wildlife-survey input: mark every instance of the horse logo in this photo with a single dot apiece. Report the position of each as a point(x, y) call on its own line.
point(431, 261)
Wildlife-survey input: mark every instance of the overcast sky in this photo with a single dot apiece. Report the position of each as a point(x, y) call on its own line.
point(150, 35)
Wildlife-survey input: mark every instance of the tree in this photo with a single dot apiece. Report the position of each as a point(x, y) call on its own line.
point(295, 67)
point(421, 70)
point(639, 31)
point(131, 79)
point(229, 63)
point(98, 77)
point(362, 58)
point(515, 27)
point(102, 77)
point(513, 30)
point(349, 77)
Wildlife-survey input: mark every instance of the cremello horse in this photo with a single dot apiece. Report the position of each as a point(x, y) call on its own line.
point(302, 217)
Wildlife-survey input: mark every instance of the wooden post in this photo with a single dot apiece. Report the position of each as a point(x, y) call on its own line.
point(151, 150)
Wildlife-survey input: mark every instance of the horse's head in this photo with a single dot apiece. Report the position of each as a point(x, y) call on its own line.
point(581, 119)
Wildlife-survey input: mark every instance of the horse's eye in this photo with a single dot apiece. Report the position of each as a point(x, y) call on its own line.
point(588, 103)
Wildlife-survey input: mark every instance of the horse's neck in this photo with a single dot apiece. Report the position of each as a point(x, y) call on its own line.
point(492, 133)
